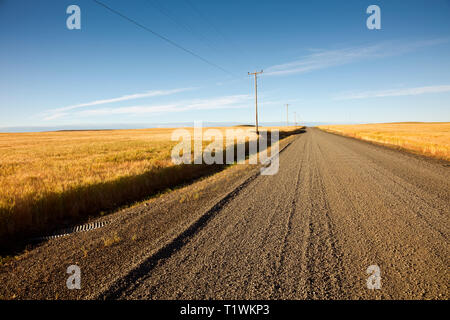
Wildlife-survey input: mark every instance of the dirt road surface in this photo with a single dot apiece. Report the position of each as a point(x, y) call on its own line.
point(336, 207)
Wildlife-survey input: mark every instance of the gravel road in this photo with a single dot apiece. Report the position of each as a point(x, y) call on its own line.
point(336, 207)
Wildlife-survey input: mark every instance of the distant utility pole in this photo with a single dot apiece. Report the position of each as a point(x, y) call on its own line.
point(295, 119)
point(287, 114)
point(256, 96)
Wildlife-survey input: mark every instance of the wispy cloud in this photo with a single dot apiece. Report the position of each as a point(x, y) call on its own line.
point(226, 102)
point(52, 114)
point(330, 58)
point(395, 92)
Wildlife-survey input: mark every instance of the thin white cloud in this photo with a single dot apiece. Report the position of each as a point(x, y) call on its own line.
point(226, 102)
point(330, 58)
point(61, 112)
point(395, 92)
point(56, 116)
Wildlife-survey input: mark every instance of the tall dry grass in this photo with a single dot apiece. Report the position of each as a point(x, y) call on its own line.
point(430, 139)
point(56, 178)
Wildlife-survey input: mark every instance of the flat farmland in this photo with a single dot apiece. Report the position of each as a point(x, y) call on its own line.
point(430, 139)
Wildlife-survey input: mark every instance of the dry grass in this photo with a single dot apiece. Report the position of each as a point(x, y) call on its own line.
point(113, 239)
point(430, 139)
point(53, 178)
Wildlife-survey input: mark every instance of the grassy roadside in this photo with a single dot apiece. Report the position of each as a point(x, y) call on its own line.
point(60, 178)
point(429, 139)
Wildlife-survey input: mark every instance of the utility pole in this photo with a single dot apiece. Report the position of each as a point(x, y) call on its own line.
point(256, 96)
point(295, 119)
point(287, 114)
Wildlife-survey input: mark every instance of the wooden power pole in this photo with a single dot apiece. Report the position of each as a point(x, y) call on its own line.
point(287, 114)
point(256, 96)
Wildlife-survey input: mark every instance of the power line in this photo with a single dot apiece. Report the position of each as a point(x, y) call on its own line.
point(185, 26)
point(162, 37)
point(213, 26)
point(201, 15)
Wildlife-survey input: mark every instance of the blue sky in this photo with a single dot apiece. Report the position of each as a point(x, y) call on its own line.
point(318, 56)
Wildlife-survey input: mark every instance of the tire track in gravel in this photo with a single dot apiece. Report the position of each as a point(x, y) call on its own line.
point(277, 285)
point(324, 265)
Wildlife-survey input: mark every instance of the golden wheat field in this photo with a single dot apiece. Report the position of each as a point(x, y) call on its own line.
point(430, 139)
point(52, 178)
